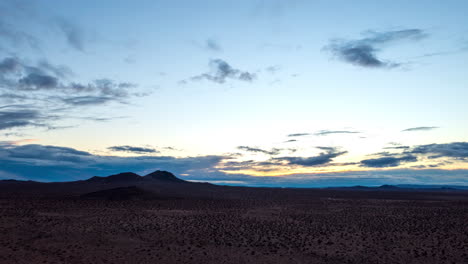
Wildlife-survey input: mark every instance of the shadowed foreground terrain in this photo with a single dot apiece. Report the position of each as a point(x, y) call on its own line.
point(158, 218)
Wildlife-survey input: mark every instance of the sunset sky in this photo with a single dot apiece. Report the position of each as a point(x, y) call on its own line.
point(249, 92)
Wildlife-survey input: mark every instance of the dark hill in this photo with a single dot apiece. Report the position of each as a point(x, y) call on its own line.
point(162, 176)
point(121, 177)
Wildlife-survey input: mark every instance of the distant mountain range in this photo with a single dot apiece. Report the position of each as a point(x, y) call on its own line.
point(400, 187)
point(165, 185)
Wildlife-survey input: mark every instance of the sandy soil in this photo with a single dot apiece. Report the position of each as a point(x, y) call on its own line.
point(329, 227)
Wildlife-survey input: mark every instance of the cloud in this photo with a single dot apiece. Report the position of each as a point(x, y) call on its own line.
point(55, 163)
point(364, 52)
point(131, 149)
point(74, 34)
point(273, 69)
point(329, 132)
point(221, 71)
point(397, 147)
point(274, 151)
point(37, 89)
point(291, 140)
point(47, 153)
point(298, 134)
point(322, 159)
point(457, 150)
point(17, 75)
point(454, 150)
point(35, 81)
point(419, 129)
point(213, 45)
point(9, 65)
point(15, 37)
point(42, 162)
point(387, 161)
point(87, 100)
point(16, 116)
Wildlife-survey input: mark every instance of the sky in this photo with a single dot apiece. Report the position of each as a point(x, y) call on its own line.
point(249, 92)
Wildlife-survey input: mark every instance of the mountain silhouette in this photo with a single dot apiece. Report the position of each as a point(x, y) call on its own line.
point(133, 177)
point(121, 177)
point(162, 176)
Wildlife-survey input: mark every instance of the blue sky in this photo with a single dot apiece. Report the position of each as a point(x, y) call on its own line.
point(217, 90)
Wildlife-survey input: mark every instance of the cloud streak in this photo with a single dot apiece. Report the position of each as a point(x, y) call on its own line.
point(73, 34)
point(387, 161)
point(321, 159)
point(330, 132)
point(222, 71)
point(364, 52)
point(413, 129)
point(274, 151)
point(457, 150)
point(132, 149)
point(37, 89)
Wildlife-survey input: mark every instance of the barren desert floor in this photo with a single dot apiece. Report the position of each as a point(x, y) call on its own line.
point(283, 229)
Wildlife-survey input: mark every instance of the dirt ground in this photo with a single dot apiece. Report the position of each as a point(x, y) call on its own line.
point(195, 230)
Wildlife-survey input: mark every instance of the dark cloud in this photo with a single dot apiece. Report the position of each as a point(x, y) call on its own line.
point(9, 65)
point(221, 71)
point(274, 151)
point(43, 88)
point(321, 159)
point(329, 132)
point(17, 116)
point(46, 76)
point(457, 150)
point(47, 153)
point(41, 162)
point(387, 161)
point(363, 52)
point(73, 33)
point(419, 129)
point(34, 81)
point(87, 100)
point(131, 149)
point(291, 140)
point(397, 147)
point(298, 134)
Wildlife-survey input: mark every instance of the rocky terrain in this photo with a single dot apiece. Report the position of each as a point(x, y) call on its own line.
point(158, 218)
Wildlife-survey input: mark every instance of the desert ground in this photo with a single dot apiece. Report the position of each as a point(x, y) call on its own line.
point(234, 225)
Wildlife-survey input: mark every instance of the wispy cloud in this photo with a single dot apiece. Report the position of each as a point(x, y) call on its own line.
point(13, 116)
point(319, 160)
point(330, 132)
point(213, 45)
point(73, 33)
point(387, 161)
point(132, 149)
point(419, 129)
point(364, 52)
point(299, 134)
point(457, 150)
point(221, 71)
point(37, 89)
point(274, 151)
